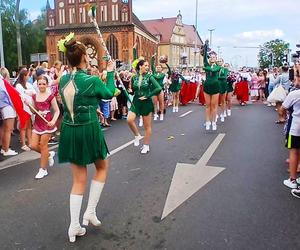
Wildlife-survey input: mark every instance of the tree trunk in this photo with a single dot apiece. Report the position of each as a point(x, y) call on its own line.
point(19, 46)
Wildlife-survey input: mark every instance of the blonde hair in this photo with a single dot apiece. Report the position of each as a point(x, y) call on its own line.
point(5, 73)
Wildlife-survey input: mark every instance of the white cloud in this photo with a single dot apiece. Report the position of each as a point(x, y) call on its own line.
point(260, 34)
point(34, 14)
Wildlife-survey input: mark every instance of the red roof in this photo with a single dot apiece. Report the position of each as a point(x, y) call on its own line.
point(164, 28)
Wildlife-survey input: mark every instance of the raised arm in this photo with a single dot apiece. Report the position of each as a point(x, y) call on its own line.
point(169, 70)
point(152, 64)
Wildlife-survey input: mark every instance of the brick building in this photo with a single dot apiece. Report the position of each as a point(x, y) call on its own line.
point(119, 26)
point(180, 42)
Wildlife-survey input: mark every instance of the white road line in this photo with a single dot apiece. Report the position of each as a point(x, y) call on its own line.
point(32, 155)
point(183, 115)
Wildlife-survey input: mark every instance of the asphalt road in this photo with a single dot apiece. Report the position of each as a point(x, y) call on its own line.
point(244, 207)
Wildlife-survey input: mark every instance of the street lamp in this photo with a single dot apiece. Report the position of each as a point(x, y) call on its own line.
point(210, 36)
point(1, 37)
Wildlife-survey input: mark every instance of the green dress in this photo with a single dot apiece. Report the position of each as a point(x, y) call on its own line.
point(223, 73)
point(159, 77)
point(144, 86)
point(81, 139)
point(176, 79)
point(211, 85)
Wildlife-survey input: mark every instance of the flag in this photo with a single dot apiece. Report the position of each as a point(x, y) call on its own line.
point(22, 110)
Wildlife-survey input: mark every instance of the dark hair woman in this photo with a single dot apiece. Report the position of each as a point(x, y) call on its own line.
point(81, 140)
point(144, 86)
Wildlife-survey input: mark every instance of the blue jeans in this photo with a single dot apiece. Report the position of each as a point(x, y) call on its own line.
point(270, 88)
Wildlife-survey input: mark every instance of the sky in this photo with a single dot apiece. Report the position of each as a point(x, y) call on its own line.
point(236, 23)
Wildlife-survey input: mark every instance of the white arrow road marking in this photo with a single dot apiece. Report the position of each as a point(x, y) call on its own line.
point(32, 155)
point(183, 115)
point(189, 178)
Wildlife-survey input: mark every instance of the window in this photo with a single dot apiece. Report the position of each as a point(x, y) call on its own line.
point(124, 15)
point(112, 46)
point(82, 16)
point(71, 1)
point(61, 14)
point(51, 20)
point(115, 12)
point(81, 1)
point(103, 13)
point(72, 15)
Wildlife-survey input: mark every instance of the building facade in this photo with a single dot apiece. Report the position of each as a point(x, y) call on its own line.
point(120, 28)
point(180, 42)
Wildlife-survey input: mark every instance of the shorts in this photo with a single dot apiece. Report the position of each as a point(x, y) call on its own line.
point(292, 141)
point(114, 104)
point(104, 107)
point(8, 112)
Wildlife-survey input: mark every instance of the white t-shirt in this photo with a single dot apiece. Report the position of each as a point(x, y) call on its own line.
point(293, 99)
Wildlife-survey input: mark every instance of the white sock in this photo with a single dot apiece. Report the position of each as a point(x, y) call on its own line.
point(75, 207)
point(94, 196)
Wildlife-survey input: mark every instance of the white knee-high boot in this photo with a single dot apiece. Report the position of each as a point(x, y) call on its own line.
point(94, 196)
point(75, 229)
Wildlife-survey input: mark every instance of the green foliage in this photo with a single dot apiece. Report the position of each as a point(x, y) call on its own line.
point(272, 53)
point(33, 36)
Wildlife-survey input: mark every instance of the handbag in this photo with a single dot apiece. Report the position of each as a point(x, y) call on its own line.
point(278, 94)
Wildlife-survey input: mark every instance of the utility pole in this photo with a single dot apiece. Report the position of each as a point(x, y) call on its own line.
point(196, 24)
point(1, 37)
point(210, 37)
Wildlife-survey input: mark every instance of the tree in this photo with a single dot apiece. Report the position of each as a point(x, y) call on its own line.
point(33, 35)
point(273, 53)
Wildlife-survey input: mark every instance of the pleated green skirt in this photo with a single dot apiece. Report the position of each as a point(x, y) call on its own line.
point(82, 144)
point(143, 108)
point(175, 87)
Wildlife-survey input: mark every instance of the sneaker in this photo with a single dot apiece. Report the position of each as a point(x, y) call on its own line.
point(174, 109)
point(25, 148)
point(124, 117)
point(207, 125)
point(141, 123)
point(9, 152)
point(222, 118)
point(225, 114)
point(145, 149)
point(290, 183)
point(296, 192)
point(52, 141)
point(217, 117)
point(269, 105)
point(41, 174)
point(228, 112)
point(161, 117)
point(214, 126)
point(155, 117)
point(51, 158)
point(136, 141)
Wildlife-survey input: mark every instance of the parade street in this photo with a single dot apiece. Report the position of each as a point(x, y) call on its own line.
point(226, 192)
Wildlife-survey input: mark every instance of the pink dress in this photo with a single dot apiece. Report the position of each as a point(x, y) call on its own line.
point(40, 127)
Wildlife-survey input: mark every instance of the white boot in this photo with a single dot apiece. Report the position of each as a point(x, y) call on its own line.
point(214, 126)
point(145, 149)
point(174, 109)
point(225, 114)
point(75, 229)
point(161, 117)
point(207, 125)
point(222, 118)
point(177, 109)
point(217, 117)
point(136, 142)
point(155, 117)
point(94, 196)
point(228, 112)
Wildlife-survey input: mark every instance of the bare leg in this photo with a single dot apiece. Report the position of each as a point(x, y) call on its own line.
point(131, 123)
point(79, 179)
point(44, 150)
point(8, 126)
point(207, 107)
point(214, 106)
point(148, 129)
